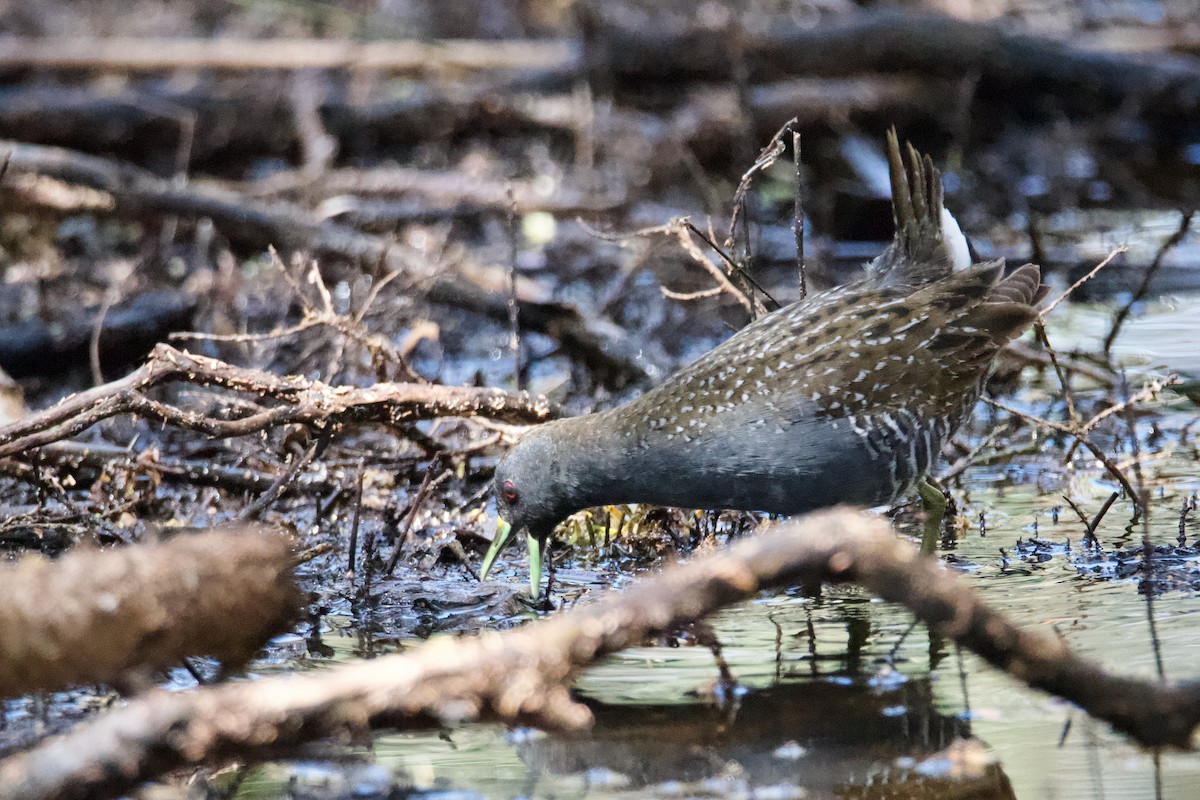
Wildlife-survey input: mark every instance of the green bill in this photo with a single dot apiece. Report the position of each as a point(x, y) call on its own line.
point(503, 534)
point(535, 566)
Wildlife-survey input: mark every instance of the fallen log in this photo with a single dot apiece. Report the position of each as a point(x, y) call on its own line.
point(889, 40)
point(128, 330)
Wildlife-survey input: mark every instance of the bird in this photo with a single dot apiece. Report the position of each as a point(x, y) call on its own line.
point(844, 396)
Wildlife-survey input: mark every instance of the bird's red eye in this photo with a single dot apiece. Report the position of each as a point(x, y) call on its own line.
point(509, 492)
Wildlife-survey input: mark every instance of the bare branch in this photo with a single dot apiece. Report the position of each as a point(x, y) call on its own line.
point(768, 156)
point(1091, 274)
point(302, 401)
point(1069, 430)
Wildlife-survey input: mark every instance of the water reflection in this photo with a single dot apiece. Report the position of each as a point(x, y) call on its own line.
point(826, 738)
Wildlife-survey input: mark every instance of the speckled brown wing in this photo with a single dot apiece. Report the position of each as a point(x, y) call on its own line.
point(919, 378)
point(872, 377)
point(941, 339)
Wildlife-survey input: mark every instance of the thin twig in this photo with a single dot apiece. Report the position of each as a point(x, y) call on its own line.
point(1089, 537)
point(94, 342)
point(769, 154)
point(1078, 512)
point(798, 221)
point(1185, 222)
point(1037, 253)
point(185, 121)
point(1095, 523)
point(1107, 260)
point(766, 158)
point(414, 508)
point(733, 266)
point(701, 294)
point(1100, 455)
point(683, 230)
point(965, 461)
point(1147, 544)
point(1189, 505)
point(352, 558)
point(299, 462)
point(1039, 329)
point(1147, 392)
point(1027, 354)
point(514, 319)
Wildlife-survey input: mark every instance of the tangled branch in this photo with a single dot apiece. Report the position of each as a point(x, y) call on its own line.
point(301, 401)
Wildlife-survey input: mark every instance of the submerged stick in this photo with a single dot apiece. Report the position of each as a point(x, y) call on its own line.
point(798, 220)
point(524, 676)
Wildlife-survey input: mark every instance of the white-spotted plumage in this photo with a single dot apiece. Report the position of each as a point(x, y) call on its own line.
point(846, 396)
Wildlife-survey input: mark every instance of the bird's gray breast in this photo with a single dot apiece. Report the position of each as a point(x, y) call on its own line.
point(757, 456)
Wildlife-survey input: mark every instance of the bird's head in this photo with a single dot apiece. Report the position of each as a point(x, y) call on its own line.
point(535, 490)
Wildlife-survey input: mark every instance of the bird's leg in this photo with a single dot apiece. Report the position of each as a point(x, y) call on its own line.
point(540, 548)
point(933, 502)
point(549, 567)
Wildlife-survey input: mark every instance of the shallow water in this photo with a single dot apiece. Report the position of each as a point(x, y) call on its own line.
point(841, 696)
point(841, 699)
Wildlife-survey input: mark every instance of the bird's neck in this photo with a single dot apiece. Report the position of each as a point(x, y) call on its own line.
point(595, 458)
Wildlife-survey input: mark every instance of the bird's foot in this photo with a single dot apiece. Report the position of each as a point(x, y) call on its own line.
point(542, 602)
point(934, 504)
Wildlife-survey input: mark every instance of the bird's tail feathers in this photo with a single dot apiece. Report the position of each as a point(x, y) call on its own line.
point(929, 243)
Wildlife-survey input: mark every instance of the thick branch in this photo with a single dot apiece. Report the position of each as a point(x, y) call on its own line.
point(523, 676)
point(223, 53)
point(894, 40)
point(221, 594)
point(235, 118)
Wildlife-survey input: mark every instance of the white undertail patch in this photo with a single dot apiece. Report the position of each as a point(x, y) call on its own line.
point(955, 241)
